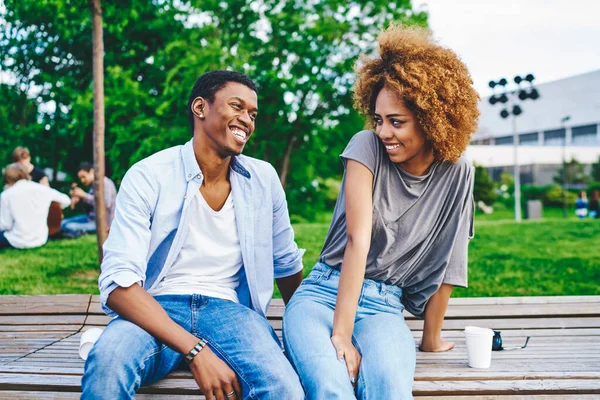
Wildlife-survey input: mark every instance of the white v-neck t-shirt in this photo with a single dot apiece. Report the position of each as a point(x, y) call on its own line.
point(211, 257)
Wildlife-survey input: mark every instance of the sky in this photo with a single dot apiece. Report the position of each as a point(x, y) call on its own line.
point(552, 39)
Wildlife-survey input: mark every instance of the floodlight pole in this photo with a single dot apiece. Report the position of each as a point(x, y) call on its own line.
point(517, 168)
point(514, 111)
point(563, 122)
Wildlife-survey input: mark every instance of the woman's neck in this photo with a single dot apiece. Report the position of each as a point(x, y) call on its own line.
point(419, 164)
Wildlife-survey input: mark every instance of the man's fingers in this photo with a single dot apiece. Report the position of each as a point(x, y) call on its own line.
point(238, 388)
point(209, 395)
point(229, 392)
point(219, 393)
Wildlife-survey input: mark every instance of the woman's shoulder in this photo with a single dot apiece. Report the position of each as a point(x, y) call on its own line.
point(459, 170)
point(364, 137)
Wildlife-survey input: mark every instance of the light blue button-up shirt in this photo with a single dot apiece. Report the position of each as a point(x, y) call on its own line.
point(151, 223)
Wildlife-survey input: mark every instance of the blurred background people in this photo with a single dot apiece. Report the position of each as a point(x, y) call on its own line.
point(594, 208)
point(83, 224)
point(581, 205)
point(24, 207)
point(22, 157)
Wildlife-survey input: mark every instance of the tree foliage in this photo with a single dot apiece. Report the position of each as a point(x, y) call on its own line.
point(483, 187)
point(575, 174)
point(300, 53)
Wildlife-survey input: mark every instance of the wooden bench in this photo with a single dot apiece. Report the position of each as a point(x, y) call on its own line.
point(39, 337)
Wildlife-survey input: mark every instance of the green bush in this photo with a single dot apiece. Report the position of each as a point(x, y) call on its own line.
point(554, 197)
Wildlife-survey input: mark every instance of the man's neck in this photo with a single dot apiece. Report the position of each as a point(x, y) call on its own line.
point(214, 168)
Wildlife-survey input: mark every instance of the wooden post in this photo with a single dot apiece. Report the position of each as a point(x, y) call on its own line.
point(98, 73)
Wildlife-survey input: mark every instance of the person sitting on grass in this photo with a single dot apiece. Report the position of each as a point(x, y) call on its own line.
point(24, 207)
point(200, 231)
point(22, 157)
point(400, 229)
point(83, 224)
point(581, 205)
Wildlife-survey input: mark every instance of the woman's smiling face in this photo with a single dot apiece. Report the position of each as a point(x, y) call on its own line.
point(399, 130)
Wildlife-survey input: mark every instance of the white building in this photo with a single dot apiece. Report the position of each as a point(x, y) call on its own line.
point(540, 132)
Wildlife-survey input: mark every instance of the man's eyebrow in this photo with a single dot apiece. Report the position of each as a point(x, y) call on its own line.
point(243, 102)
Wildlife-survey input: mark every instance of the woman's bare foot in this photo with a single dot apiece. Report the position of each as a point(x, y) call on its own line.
point(436, 346)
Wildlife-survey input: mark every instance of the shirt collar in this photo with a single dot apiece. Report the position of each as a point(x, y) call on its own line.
point(192, 169)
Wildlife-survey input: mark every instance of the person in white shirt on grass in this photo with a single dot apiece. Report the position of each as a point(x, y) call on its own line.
point(24, 207)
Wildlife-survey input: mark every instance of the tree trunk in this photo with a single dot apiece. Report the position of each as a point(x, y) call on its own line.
point(285, 164)
point(98, 71)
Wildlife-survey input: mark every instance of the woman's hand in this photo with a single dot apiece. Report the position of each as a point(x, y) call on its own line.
point(346, 351)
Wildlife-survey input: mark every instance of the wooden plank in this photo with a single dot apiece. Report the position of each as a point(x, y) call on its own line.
point(523, 387)
point(37, 328)
point(41, 320)
point(46, 308)
point(46, 299)
point(429, 388)
point(38, 395)
point(515, 396)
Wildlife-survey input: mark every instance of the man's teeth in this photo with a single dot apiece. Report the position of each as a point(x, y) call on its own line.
point(239, 133)
point(392, 146)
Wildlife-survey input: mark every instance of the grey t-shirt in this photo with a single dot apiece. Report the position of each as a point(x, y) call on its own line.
point(421, 224)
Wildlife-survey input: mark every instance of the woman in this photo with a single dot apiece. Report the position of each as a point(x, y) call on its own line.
point(595, 204)
point(400, 228)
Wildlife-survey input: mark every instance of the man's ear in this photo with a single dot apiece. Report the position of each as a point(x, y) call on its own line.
point(198, 107)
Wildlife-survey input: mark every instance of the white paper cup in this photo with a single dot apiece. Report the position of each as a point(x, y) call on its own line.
point(479, 346)
point(87, 341)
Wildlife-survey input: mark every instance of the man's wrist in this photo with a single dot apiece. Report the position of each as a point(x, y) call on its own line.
point(189, 357)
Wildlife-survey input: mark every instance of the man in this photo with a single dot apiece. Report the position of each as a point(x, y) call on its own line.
point(200, 232)
point(83, 224)
point(24, 207)
point(22, 156)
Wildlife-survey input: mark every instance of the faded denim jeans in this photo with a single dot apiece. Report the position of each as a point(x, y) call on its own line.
point(127, 357)
point(380, 335)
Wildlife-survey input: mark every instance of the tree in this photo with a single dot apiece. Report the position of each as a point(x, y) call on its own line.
point(596, 171)
point(301, 55)
point(575, 174)
point(98, 65)
point(483, 187)
point(18, 123)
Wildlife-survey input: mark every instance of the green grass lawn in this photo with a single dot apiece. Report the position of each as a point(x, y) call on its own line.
point(550, 257)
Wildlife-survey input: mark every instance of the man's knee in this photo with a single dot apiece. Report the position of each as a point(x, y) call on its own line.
point(113, 366)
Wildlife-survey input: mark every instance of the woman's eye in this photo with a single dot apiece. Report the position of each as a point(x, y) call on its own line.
point(396, 122)
point(237, 105)
point(378, 121)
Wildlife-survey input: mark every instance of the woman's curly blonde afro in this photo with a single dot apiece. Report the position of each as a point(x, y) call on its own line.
point(431, 81)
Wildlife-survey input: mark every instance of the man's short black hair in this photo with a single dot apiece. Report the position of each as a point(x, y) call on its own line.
point(210, 83)
point(85, 166)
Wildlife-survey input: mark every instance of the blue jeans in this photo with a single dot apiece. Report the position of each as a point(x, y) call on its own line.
point(380, 335)
point(78, 226)
point(4, 243)
point(126, 357)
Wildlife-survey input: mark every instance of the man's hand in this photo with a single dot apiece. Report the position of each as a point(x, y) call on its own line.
point(74, 201)
point(214, 377)
point(346, 351)
point(78, 192)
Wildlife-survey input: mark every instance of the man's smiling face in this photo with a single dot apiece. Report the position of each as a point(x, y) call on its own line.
point(229, 120)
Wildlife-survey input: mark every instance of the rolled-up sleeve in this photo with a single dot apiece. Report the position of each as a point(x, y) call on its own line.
point(126, 249)
point(287, 257)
